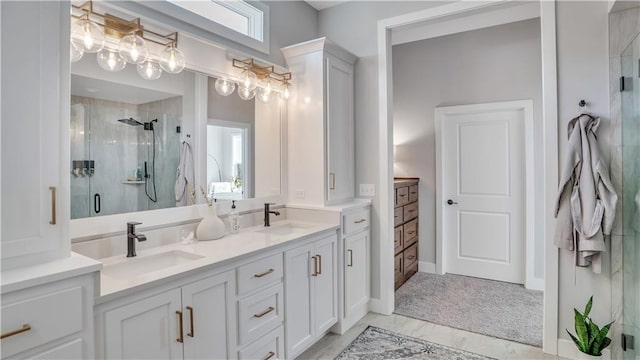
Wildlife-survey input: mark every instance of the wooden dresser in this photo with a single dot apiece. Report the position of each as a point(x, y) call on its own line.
point(406, 229)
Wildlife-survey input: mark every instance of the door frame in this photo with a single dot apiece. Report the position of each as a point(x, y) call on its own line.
point(385, 304)
point(530, 216)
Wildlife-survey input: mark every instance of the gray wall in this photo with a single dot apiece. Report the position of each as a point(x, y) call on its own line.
point(582, 73)
point(500, 63)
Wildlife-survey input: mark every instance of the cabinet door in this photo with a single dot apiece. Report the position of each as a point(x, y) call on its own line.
point(35, 83)
point(340, 133)
point(209, 321)
point(298, 299)
point(356, 282)
point(326, 284)
point(145, 329)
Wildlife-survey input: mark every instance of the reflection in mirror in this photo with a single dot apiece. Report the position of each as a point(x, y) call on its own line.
point(227, 163)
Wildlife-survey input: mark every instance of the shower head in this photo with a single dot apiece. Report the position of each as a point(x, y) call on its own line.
point(131, 121)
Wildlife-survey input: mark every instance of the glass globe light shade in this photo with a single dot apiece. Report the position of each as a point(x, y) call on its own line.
point(263, 94)
point(249, 80)
point(110, 60)
point(172, 60)
point(245, 93)
point(87, 36)
point(225, 87)
point(133, 49)
point(149, 70)
point(76, 53)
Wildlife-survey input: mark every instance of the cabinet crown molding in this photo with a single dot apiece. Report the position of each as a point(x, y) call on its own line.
point(320, 44)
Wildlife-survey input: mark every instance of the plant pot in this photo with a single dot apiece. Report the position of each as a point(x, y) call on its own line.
point(583, 356)
point(211, 227)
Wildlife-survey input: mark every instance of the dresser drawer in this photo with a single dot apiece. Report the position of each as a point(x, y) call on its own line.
point(397, 239)
point(398, 270)
point(410, 232)
point(410, 256)
point(410, 211)
point(259, 273)
point(398, 216)
point(50, 316)
point(356, 221)
point(268, 347)
point(413, 193)
point(260, 313)
point(402, 196)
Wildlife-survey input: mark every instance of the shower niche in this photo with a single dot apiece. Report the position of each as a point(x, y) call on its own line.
point(125, 147)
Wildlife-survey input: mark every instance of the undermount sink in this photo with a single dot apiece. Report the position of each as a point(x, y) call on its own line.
point(138, 266)
point(284, 229)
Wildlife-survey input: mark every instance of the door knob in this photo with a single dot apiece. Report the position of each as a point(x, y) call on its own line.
point(451, 202)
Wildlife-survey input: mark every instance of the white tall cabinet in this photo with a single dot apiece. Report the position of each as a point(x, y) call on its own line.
point(34, 132)
point(321, 124)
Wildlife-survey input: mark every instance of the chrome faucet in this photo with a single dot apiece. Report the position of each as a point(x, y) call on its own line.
point(132, 237)
point(268, 212)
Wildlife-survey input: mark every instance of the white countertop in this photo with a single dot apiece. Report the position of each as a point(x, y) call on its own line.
point(346, 206)
point(215, 252)
point(33, 275)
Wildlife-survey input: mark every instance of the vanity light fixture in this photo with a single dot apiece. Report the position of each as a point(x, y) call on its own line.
point(256, 81)
point(119, 41)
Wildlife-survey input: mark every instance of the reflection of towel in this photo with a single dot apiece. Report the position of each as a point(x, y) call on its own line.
point(185, 176)
point(635, 222)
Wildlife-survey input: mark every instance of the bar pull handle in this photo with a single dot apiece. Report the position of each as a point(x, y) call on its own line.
point(25, 328)
point(269, 355)
point(191, 332)
point(315, 266)
point(264, 273)
point(332, 177)
point(53, 205)
point(349, 257)
point(270, 309)
point(319, 264)
point(180, 339)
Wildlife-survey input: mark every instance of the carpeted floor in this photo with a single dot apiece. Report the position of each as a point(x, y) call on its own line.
point(494, 308)
point(379, 344)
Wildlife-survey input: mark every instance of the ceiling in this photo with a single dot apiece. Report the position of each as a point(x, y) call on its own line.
point(324, 4)
point(111, 91)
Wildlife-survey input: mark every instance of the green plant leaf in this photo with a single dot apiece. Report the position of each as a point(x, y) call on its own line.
point(599, 342)
point(581, 331)
point(594, 330)
point(587, 309)
point(575, 340)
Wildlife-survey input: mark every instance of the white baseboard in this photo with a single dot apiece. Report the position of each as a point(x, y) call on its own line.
point(376, 306)
point(534, 284)
point(426, 267)
point(567, 349)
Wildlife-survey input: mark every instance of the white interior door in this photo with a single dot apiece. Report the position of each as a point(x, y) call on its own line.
point(483, 189)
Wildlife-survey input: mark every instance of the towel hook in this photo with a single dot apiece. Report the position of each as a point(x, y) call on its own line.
point(582, 106)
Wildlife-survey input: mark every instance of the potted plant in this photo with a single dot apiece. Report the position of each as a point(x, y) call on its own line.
point(589, 338)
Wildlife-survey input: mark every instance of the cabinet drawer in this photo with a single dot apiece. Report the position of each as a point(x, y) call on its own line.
point(398, 270)
point(410, 256)
point(356, 221)
point(259, 273)
point(410, 211)
point(413, 193)
point(409, 271)
point(402, 196)
point(410, 232)
point(397, 239)
point(259, 314)
point(268, 347)
point(398, 216)
point(50, 316)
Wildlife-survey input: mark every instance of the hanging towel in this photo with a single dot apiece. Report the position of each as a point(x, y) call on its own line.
point(185, 177)
point(586, 202)
point(635, 222)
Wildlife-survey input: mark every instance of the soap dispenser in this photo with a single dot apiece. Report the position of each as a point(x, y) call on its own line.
point(234, 219)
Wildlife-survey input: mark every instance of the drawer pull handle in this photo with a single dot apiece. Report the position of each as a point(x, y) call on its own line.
point(411, 257)
point(350, 257)
point(270, 355)
point(402, 195)
point(359, 221)
point(332, 176)
point(191, 332)
point(319, 264)
point(25, 328)
point(412, 210)
point(264, 273)
point(270, 309)
point(315, 266)
point(53, 205)
point(414, 192)
point(181, 337)
point(411, 232)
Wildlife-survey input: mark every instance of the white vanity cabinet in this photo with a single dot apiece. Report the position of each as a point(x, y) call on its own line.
point(321, 124)
point(35, 131)
point(311, 293)
point(196, 321)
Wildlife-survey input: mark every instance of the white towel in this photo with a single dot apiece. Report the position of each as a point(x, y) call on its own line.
point(185, 177)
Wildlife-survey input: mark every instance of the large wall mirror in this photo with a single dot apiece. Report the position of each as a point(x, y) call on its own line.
point(128, 138)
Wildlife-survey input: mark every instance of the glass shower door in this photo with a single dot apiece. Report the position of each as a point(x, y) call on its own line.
point(630, 197)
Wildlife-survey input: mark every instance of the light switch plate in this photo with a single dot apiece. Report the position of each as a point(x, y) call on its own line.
point(300, 194)
point(367, 190)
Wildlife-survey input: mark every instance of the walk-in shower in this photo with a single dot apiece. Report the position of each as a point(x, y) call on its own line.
point(147, 126)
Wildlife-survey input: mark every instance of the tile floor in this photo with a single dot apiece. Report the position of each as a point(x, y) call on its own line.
point(331, 345)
